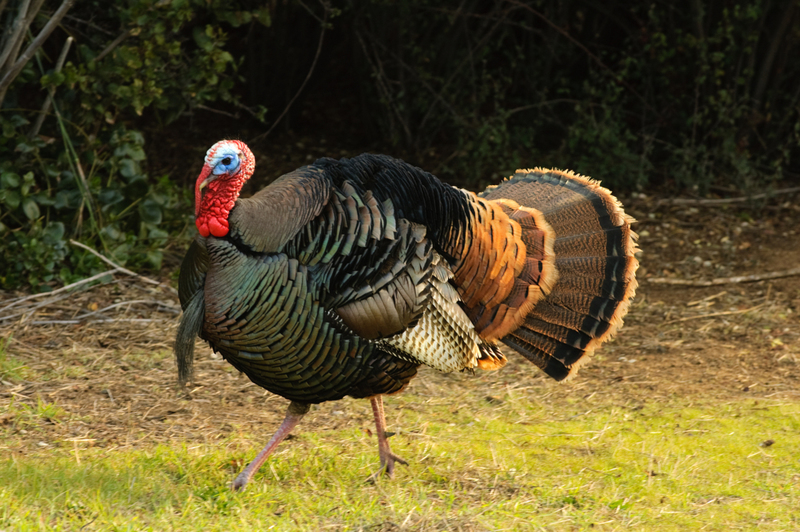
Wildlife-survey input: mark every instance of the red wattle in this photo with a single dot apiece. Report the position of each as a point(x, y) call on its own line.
point(202, 228)
point(219, 228)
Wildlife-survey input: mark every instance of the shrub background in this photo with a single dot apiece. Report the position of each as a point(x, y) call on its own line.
point(679, 97)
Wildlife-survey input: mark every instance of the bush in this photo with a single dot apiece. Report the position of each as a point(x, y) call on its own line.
point(685, 94)
point(82, 176)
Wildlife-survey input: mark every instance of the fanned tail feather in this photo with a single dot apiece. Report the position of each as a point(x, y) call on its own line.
point(595, 266)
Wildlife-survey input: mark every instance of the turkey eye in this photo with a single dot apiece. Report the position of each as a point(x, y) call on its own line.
point(226, 161)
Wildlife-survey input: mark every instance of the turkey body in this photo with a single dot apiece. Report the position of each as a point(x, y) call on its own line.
point(343, 277)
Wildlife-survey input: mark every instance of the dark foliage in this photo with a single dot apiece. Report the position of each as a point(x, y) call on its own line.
point(684, 95)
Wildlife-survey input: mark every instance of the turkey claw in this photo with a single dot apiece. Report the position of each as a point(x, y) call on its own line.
point(387, 466)
point(239, 483)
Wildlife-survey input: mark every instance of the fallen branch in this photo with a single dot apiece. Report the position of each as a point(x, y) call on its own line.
point(24, 307)
point(105, 320)
point(120, 268)
point(66, 288)
point(727, 201)
point(727, 280)
point(715, 314)
point(160, 304)
point(27, 310)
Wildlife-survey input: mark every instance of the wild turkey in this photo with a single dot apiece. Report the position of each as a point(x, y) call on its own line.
point(342, 277)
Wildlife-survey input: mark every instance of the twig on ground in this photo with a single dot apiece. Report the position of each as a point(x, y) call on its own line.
point(727, 280)
point(726, 201)
point(58, 291)
point(715, 314)
point(23, 308)
point(120, 268)
point(29, 309)
point(103, 320)
point(128, 303)
point(706, 299)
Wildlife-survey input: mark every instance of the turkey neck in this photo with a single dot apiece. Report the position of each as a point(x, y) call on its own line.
point(272, 216)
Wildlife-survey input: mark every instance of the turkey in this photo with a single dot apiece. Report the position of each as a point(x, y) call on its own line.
point(343, 277)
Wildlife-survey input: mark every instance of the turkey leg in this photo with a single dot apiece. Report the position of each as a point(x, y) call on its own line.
point(388, 458)
point(294, 414)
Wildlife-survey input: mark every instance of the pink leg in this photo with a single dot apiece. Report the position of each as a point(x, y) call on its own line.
point(388, 458)
point(294, 414)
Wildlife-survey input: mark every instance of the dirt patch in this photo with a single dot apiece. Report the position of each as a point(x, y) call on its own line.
point(113, 383)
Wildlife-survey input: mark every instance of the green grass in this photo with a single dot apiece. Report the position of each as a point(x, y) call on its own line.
point(517, 465)
point(10, 369)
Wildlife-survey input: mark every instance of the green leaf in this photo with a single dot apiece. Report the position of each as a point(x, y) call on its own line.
point(54, 79)
point(9, 180)
point(111, 231)
point(155, 257)
point(27, 182)
point(157, 233)
point(262, 15)
point(8, 130)
point(31, 209)
point(12, 199)
point(63, 198)
point(150, 212)
point(132, 150)
point(53, 233)
point(202, 39)
point(25, 147)
point(129, 168)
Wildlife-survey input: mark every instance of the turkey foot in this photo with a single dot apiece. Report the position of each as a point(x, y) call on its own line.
point(294, 414)
point(387, 465)
point(388, 458)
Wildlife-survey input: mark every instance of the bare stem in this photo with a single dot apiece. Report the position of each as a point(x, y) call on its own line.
point(327, 7)
point(49, 100)
point(27, 55)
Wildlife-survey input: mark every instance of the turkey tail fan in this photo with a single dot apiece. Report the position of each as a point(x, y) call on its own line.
point(594, 249)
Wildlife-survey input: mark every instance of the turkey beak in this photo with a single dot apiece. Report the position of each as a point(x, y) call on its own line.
point(203, 180)
point(207, 177)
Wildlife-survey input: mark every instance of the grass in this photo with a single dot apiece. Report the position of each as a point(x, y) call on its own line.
point(511, 463)
point(10, 369)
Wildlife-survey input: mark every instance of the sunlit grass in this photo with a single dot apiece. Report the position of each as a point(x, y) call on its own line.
point(509, 464)
point(10, 369)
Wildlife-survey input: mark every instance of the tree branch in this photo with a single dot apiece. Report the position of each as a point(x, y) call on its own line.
point(17, 31)
point(588, 52)
point(327, 7)
point(26, 56)
point(110, 48)
point(51, 93)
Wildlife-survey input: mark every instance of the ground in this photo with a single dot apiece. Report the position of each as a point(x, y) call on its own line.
point(111, 385)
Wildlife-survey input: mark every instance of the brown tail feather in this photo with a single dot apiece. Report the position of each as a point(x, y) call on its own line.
point(594, 263)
